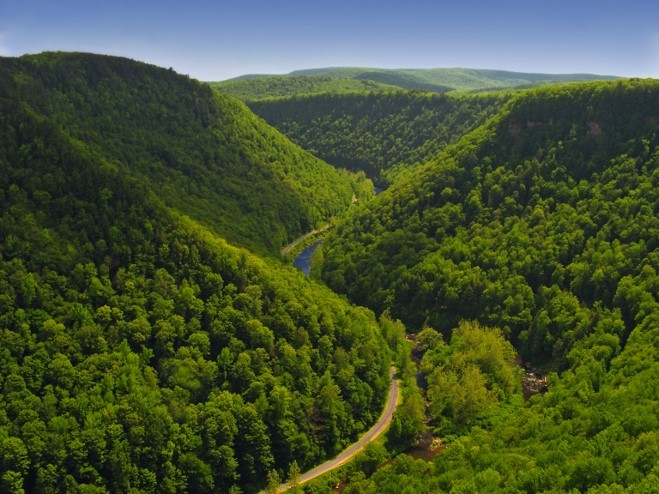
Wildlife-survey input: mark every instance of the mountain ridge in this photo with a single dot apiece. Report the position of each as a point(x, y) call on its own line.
point(433, 79)
point(350, 69)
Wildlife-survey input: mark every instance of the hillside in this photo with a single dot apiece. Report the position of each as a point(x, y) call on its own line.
point(206, 154)
point(257, 88)
point(139, 352)
point(542, 223)
point(440, 80)
point(530, 206)
point(381, 133)
point(595, 430)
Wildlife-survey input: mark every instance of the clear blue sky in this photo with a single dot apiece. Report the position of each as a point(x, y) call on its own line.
point(215, 40)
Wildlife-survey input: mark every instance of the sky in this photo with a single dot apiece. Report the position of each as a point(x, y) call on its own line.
point(217, 40)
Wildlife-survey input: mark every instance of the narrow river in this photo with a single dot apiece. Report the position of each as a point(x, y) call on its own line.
point(303, 260)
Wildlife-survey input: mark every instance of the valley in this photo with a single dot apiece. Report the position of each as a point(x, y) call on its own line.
point(155, 335)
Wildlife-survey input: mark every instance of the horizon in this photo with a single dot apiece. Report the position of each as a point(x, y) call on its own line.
point(490, 69)
point(304, 69)
point(215, 42)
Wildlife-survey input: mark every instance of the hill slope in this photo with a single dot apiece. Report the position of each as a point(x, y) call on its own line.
point(254, 89)
point(138, 351)
point(543, 223)
point(553, 200)
point(378, 132)
point(206, 153)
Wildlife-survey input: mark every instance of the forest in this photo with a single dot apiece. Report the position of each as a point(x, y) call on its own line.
point(207, 155)
point(258, 88)
point(151, 340)
point(382, 133)
point(142, 353)
point(542, 224)
point(342, 79)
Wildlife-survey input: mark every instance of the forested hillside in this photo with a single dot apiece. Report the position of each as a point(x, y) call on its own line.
point(594, 431)
point(205, 153)
point(380, 133)
point(281, 86)
point(139, 352)
point(551, 204)
point(544, 224)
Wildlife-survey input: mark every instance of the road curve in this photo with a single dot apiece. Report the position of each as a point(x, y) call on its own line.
point(347, 454)
point(290, 246)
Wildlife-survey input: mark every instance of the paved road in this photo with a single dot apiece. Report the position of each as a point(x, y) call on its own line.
point(347, 454)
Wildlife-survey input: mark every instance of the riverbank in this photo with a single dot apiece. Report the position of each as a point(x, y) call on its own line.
point(299, 242)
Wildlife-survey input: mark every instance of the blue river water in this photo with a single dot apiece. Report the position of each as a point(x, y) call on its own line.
point(303, 260)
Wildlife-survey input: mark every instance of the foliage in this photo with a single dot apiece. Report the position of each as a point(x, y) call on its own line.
point(341, 79)
point(409, 422)
point(206, 154)
point(541, 223)
point(254, 89)
point(138, 351)
point(544, 223)
point(470, 376)
point(378, 132)
point(595, 430)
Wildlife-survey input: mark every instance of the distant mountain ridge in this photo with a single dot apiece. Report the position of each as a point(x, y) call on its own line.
point(436, 80)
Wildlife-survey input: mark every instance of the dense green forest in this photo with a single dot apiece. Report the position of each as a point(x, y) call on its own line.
point(439, 80)
point(139, 352)
point(544, 224)
point(594, 431)
point(281, 86)
point(381, 133)
point(206, 154)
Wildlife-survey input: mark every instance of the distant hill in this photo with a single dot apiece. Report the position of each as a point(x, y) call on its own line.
point(206, 153)
point(438, 80)
point(259, 88)
point(380, 133)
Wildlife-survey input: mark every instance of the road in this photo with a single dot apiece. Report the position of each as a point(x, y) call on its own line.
point(347, 454)
point(288, 248)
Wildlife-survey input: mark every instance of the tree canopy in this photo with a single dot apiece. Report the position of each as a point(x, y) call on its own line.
point(381, 133)
point(141, 352)
point(205, 153)
point(542, 223)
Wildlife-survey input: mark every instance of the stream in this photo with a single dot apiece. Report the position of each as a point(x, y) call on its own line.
point(303, 260)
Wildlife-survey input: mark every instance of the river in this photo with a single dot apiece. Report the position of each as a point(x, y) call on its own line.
point(303, 260)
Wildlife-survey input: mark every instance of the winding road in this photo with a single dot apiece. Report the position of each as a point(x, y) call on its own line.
point(288, 248)
point(349, 453)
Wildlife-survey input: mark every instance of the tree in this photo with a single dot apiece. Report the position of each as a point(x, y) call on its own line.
point(274, 481)
point(410, 418)
point(293, 479)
